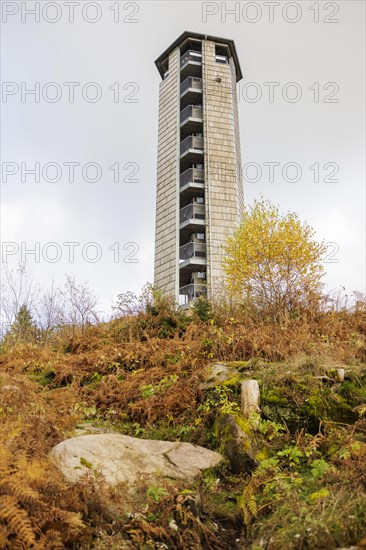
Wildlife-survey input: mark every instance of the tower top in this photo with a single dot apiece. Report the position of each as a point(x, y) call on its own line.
point(186, 35)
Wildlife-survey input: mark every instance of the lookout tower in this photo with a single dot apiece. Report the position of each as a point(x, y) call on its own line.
point(199, 183)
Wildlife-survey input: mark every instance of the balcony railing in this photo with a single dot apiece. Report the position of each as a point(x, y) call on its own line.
point(192, 212)
point(222, 59)
point(192, 250)
point(192, 111)
point(190, 292)
point(192, 175)
point(191, 142)
point(191, 56)
point(191, 82)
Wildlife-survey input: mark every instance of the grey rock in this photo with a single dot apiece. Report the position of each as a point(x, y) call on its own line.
point(235, 445)
point(216, 374)
point(121, 458)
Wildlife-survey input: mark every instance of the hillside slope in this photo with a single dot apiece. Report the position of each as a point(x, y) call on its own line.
point(303, 487)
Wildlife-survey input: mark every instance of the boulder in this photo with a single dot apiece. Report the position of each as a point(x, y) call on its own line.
point(219, 373)
point(120, 458)
point(228, 374)
point(235, 444)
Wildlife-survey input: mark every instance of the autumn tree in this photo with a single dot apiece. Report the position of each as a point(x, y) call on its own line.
point(79, 307)
point(50, 311)
point(273, 261)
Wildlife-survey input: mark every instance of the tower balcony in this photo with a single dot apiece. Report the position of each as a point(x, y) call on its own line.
point(191, 118)
point(188, 293)
point(190, 90)
point(192, 219)
point(191, 63)
point(196, 261)
point(192, 255)
point(191, 149)
point(192, 182)
point(192, 213)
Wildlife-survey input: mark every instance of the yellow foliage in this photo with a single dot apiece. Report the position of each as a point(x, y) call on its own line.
point(272, 260)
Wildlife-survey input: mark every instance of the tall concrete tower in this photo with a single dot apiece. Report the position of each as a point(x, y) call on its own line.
point(199, 184)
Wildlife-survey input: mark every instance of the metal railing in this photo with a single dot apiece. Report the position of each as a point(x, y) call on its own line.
point(192, 211)
point(221, 59)
point(192, 175)
point(191, 142)
point(188, 293)
point(191, 56)
point(192, 250)
point(194, 111)
point(191, 82)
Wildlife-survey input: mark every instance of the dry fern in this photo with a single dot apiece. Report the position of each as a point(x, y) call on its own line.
point(25, 515)
point(15, 526)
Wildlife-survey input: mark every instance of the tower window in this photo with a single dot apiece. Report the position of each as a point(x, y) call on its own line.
point(221, 54)
point(191, 45)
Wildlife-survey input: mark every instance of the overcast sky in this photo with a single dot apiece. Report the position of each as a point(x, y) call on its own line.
point(301, 106)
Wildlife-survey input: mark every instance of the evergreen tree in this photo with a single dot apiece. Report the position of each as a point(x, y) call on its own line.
point(23, 329)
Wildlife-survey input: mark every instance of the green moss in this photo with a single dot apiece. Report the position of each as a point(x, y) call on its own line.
point(237, 449)
point(322, 404)
point(232, 381)
point(274, 397)
point(303, 400)
point(86, 463)
point(243, 423)
point(314, 406)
